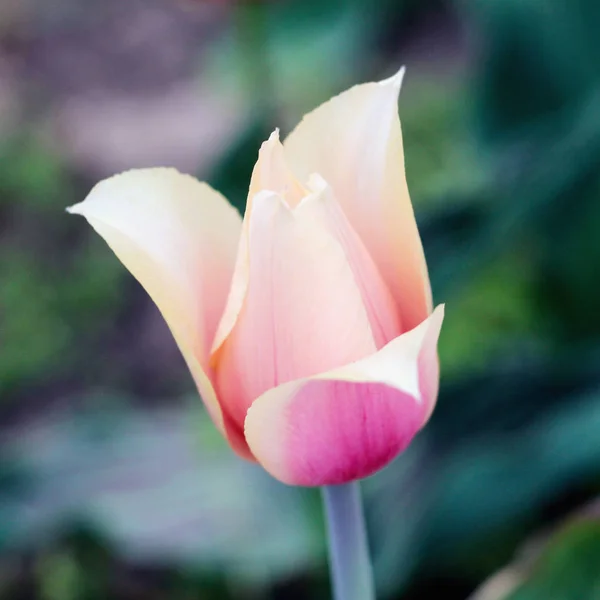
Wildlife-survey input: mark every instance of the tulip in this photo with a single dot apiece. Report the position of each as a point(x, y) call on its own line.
point(308, 327)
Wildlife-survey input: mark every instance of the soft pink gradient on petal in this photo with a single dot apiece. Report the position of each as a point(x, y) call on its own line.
point(354, 142)
point(271, 173)
point(178, 237)
point(352, 421)
point(322, 207)
point(303, 313)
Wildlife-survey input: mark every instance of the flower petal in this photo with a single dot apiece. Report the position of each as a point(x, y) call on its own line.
point(178, 237)
point(303, 313)
point(354, 141)
point(321, 206)
point(272, 173)
point(350, 422)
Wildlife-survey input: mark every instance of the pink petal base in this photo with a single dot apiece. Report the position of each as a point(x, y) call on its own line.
point(338, 431)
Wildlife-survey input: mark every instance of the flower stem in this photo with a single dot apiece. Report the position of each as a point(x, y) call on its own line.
point(349, 562)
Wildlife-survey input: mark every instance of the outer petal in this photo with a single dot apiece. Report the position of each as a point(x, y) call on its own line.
point(303, 313)
point(272, 173)
point(350, 422)
point(354, 141)
point(178, 237)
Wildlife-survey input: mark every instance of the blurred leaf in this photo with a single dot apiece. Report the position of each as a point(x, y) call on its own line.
point(563, 567)
point(138, 480)
point(568, 275)
point(516, 203)
point(60, 579)
point(568, 567)
point(489, 314)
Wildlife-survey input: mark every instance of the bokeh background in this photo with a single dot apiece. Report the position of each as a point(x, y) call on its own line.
point(113, 484)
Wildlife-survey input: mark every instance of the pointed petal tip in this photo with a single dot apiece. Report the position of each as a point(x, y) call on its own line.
point(271, 149)
point(396, 80)
point(429, 329)
point(272, 140)
point(439, 311)
point(75, 209)
point(437, 316)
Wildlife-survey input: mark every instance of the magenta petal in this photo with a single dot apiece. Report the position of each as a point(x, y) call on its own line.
point(339, 431)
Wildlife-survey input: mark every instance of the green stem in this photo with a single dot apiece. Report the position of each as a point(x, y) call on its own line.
point(351, 573)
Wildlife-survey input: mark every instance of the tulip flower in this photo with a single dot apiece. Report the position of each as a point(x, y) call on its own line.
point(308, 327)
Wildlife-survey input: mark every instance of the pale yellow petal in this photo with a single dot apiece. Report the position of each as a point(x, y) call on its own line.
point(354, 142)
point(178, 237)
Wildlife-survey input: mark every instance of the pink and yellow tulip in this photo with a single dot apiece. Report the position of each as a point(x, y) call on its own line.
point(308, 326)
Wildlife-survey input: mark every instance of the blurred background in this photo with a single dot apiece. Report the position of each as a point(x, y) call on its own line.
point(114, 485)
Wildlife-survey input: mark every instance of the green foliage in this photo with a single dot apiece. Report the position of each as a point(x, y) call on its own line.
point(562, 565)
point(32, 330)
point(441, 156)
point(46, 304)
point(489, 315)
point(31, 173)
point(567, 568)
